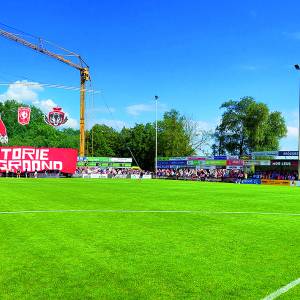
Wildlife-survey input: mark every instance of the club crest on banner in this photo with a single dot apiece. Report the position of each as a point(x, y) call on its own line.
point(3, 133)
point(24, 115)
point(56, 117)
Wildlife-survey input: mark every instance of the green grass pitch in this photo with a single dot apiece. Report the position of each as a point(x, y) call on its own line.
point(140, 255)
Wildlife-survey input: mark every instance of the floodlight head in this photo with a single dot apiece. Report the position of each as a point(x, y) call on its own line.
point(297, 67)
point(156, 97)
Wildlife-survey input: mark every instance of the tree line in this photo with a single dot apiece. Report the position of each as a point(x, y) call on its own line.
point(245, 126)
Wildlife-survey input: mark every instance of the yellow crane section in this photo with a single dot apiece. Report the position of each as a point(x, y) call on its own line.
point(80, 65)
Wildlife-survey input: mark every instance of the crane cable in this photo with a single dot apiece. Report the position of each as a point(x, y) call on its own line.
point(115, 123)
point(66, 87)
point(47, 85)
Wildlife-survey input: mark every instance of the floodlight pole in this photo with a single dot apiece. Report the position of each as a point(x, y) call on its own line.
point(156, 100)
point(299, 136)
point(297, 67)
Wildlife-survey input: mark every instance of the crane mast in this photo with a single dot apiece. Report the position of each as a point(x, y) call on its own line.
point(80, 65)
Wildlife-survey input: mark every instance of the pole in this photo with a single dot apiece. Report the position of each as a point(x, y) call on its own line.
point(299, 135)
point(156, 99)
point(82, 111)
point(297, 67)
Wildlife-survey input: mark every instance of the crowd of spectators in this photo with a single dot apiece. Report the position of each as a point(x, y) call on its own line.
point(109, 171)
point(32, 174)
point(202, 174)
point(209, 174)
point(276, 175)
point(181, 173)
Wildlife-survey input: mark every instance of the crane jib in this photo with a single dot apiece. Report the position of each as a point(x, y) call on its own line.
point(22, 41)
point(82, 67)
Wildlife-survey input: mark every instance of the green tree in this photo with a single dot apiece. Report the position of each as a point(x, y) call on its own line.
point(138, 142)
point(175, 135)
point(37, 133)
point(247, 126)
point(102, 140)
point(175, 139)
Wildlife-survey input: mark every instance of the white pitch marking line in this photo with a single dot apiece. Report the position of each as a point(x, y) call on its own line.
point(147, 211)
point(282, 290)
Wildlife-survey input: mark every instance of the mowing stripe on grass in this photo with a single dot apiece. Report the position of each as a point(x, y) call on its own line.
point(283, 290)
point(20, 212)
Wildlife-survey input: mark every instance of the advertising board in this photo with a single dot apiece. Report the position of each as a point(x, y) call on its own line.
point(40, 159)
point(288, 153)
point(177, 162)
point(121, 160)
point(284, 163)
point(215, 162)
point(94, 176)
point(120, 176)
point(213, 179)
point(178, 158)
point(251, 181)
point(265, 153)
point(220, 157)
point(102, 176)
point(235, 162)
point(264, 162)
point(276, 182)
point(196, 158)
point(196, 162)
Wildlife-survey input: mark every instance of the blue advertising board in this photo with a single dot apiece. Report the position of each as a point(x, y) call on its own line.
point(164, 166)
point(251, 181)
point(220, 157)
point(288, 153)
point(163, 162)
point(178, 162)
point(265, 153)
point(79, 158)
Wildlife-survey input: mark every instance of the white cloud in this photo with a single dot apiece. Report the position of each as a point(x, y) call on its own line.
point(71, 123)
point(202, 140)
point(290, 142)
point(292, 132)
point(203, 125)
point(28, 92)
point(22, 91)
point(116, 124)
point(46, 105)
point(137, 109)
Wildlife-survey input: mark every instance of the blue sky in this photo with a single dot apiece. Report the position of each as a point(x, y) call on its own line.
point(193, 54)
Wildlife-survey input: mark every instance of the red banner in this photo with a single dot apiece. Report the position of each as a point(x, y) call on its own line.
point(40, 159)
point(235, 162)
point(3, 133)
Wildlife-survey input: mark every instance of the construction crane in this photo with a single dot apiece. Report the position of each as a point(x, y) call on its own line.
point(79, 65)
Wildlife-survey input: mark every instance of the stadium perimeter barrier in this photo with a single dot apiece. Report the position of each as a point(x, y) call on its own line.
point(292, 183)
point(110, 176)
point(251, 181)
point(281, 182)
